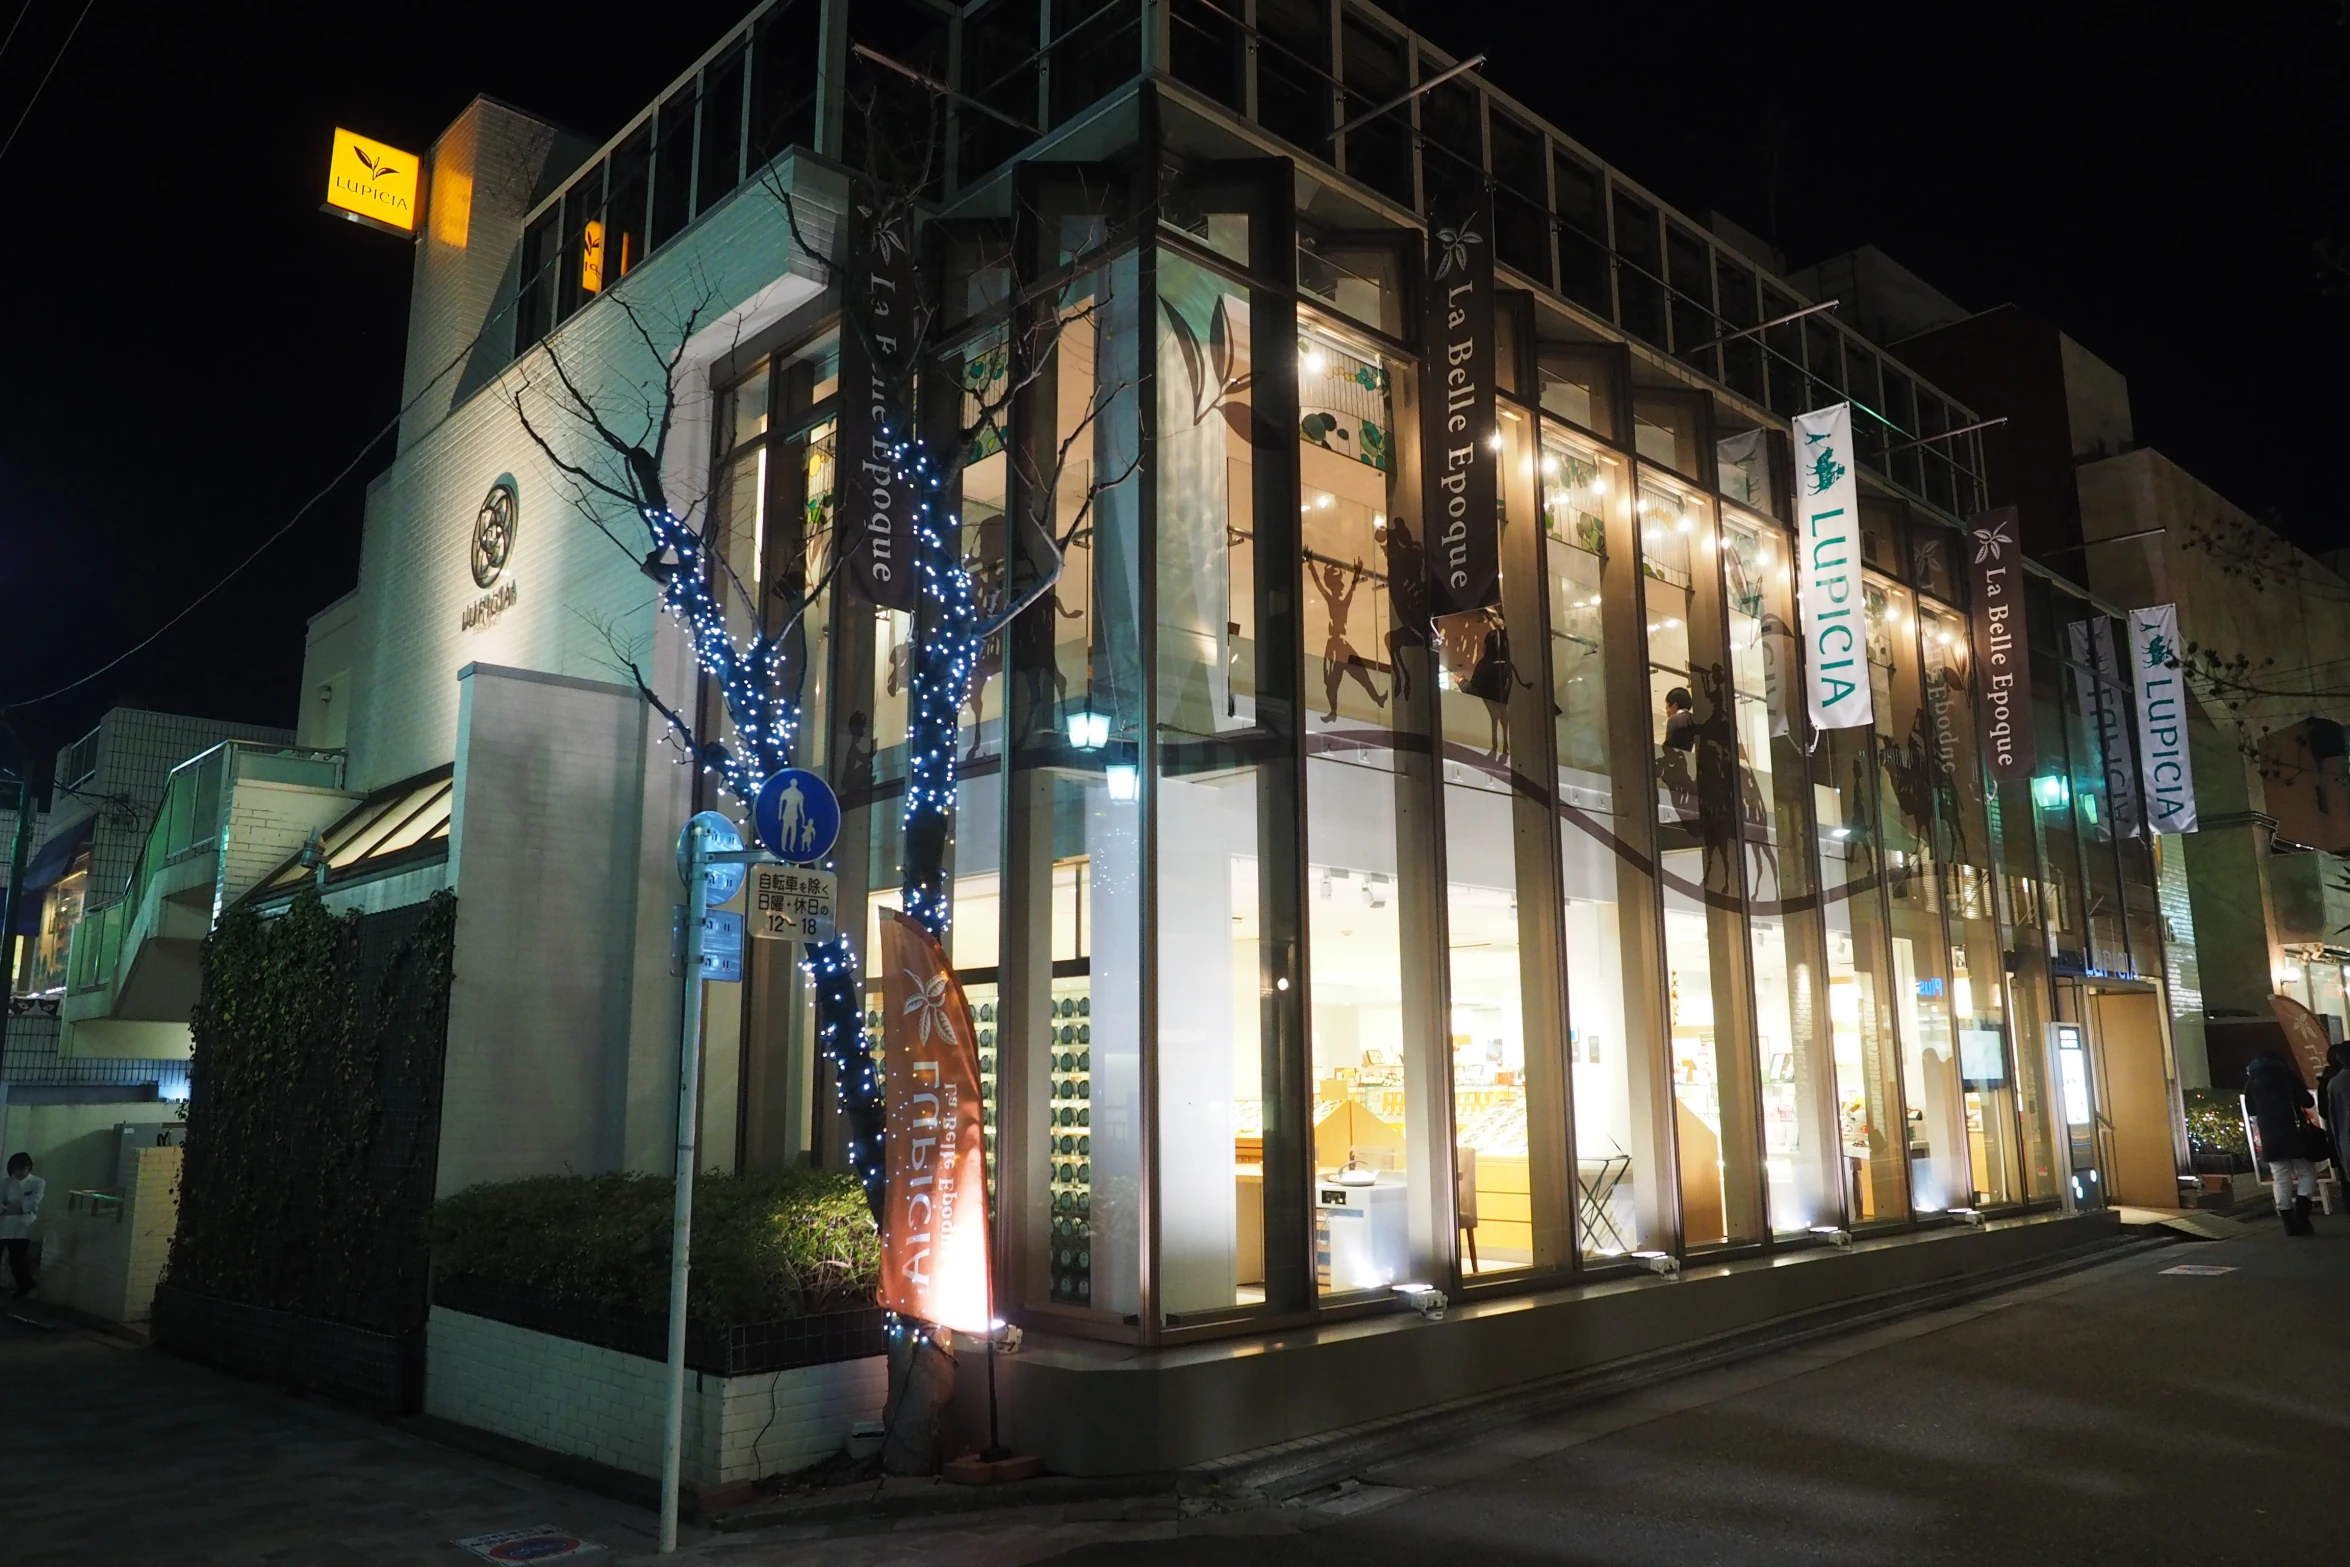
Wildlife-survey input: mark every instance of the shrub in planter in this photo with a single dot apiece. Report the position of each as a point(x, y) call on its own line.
point(768, 1245)
point(2215, 1127)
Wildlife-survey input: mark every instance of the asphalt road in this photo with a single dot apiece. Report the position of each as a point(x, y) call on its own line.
point(2120, 1414)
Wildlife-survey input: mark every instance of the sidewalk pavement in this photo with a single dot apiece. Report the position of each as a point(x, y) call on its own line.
point(2072, 1419)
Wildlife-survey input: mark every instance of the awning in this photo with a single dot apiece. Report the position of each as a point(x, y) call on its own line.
point(396, 827)
point(49, 864)
point(46, 869)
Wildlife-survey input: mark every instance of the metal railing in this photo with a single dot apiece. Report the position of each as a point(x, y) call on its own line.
point(190, 820)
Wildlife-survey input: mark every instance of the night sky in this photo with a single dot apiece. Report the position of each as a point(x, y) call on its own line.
point(191, 347)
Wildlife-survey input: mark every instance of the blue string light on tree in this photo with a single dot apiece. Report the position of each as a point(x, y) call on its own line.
point(766, 720)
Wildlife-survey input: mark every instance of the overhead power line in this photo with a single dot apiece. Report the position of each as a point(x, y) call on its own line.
point(302, 511)
point(58, 59)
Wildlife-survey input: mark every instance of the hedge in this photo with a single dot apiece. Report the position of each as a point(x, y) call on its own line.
point(767, 1245)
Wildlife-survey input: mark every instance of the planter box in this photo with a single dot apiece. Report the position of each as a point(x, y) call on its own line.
point(745, 1349)
point(594, 1401)
point(379, 1372)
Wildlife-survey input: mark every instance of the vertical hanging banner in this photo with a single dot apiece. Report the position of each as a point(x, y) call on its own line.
point(1461, 466)
point(2003, 672)
point(2098, 696)
point(2169, 777)
point(1835, 640)
point(880, 322)
point(934, 1230)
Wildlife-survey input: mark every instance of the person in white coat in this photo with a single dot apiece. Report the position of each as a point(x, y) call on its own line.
point(20, 1206)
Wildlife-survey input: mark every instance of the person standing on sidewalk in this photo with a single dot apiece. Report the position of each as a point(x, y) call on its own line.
point(20, 1205)
point(2277, 1101)
point(2333, 1101)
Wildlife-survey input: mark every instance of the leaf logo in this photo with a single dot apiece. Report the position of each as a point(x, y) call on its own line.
point(1455, 243)
point(375, 170)
point(929, 1004)
point(1991, 543)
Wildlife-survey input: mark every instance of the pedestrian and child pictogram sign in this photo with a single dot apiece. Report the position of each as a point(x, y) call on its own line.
point(797, 816)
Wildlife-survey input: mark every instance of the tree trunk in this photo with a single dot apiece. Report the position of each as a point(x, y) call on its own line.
point(921, 1386)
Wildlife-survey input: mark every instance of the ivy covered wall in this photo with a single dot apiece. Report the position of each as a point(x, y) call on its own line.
point(314, 1112)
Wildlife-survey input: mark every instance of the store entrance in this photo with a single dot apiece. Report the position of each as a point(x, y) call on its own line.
point(2138, 1096)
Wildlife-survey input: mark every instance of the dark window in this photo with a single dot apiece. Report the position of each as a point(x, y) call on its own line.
point(1868, 423)
point(1901, 412)
point(1521, 204)
point(1783, 355)
point(582, 275)
point(1823, 357)
point(783, 80)
point(1742, 364)
point(1452, 145)
point(673, 166)
point(1690, 274)
point(1096, 47)
point(894, 123)
point(1640, 269)
point(722, 131)
point(1378, 152)
point(1293, 72)
point(624, 217)
point(1934, 418)
point(999, 70)
point(1583, 269)
point(534, 312)
point(1208, 49)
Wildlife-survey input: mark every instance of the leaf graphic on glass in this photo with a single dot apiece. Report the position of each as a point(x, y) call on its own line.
point(928, 1004)
point(1991, 542)
point(1455, 243)
point(1208, 367)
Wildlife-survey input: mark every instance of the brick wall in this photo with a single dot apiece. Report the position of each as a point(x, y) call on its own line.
point(607, 1406)
point(267, 825)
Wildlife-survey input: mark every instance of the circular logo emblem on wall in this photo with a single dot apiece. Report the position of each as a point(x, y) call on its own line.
point(493, 533)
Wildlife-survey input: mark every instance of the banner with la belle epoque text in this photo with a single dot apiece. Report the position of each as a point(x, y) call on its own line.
point(1829, 598)
point(2167, 776)
point(880, 293)
point(2003, 669)
point(1462, 469)
point(934, 1260)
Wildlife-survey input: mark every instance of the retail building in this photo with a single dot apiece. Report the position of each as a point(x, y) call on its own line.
point(1519, 960)
point(2253, 902)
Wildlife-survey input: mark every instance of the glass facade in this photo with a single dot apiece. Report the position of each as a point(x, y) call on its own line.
point(1357, 947)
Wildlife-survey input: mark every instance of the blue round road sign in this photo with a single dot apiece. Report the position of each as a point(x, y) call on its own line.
point(721, 881)
point(797, 816)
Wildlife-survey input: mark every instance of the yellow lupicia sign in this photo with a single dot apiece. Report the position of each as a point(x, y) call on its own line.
point(372, 182)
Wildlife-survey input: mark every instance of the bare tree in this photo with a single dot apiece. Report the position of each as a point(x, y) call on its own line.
point(612, 449)
point(2260, 695)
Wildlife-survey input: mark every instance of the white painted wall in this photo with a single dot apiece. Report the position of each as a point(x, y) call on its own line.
point(607, 1406)
point(543, 852)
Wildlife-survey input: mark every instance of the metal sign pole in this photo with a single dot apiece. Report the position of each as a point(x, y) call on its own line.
point(689, 1090)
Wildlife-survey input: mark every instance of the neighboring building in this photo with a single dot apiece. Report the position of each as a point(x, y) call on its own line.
point(79, 1068)
point(1570, 1008)
point(2256, 901)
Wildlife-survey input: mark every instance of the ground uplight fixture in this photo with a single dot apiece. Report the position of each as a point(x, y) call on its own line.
point(1663, 1262)
point(1426, 1299)
point(1089, 730)
point(1834, 1234)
